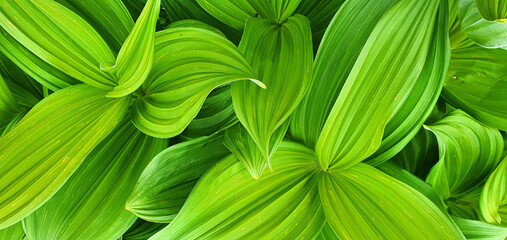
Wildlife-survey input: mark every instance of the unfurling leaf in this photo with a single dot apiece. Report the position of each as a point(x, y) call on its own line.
point(494, 196)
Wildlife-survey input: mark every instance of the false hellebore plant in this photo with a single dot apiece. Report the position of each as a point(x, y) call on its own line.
point(390, 131)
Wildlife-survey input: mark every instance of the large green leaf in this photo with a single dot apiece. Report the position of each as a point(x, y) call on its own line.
point(340, 47)
point(14, 232)
point(142, 230)
point(492, 10)
point(165, 184)
point(361, 202)
point(477, 83)
point(189, 63)
point(135, 59)
point(469, 152)
point(26, 90)
point(8, 103)
point(374, 89)
point(485, 33)
point(276, 10)
point(91, 204)
point(327, 233)
point(494, 196)
point(59, 37)
point(231, 12)
point(478, 230)
point(282, 58)
point(228, 203)
point(49, 143)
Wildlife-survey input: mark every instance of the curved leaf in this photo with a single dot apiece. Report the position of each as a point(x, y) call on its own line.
point(228, 203)
point(195, 24)
point(165, 184)
point(363, 203)
point(189, 63)
point(14, 232)
point(8, 104)
point(135, 59)
point(26, 90)
point(282, 58)
point(485, 33)
point(231, 12)
point(59, 37)
point(91, 204)
point(494, 195)
point(492, 10)
point(478, 230)
point(48, 145)
point(142, 230)
point(374, 89)
point(477, 83)
point(327, 233)
point(276, 10)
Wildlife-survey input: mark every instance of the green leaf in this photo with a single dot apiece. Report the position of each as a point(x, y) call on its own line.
point(494, 196)
point(91, 204)
point(228, 203)
point(276, 10)
point(457, 37)
point(135, 59)
point(281, 56)
point(231, 12)
point(408, 118)
point(165, 184)
point(469, 152)
point(142, 230)
point(363, 203)
point(194, 24)
point(48, 145)
point(338, 51)
point(110, 18)
point(476, 82)
point(189, 63)
point(59, 37)
point(8, 104)
point(478, 230)
point(14, 232)
point(374, 89)
point(27, 92)
point(485, 33)
point(492, 10)
point(327, 233)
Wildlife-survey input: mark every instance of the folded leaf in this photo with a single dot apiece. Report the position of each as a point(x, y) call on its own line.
point(476, 82)
point(135, 7)
point(276, 10)
point(281, 56)
point(135, 59)
point(494, 195)
point(492, 10)
point(91, 204)
point(14, 232)
point(363, 203)
point(375, 89)
point(189, 63)
point(142, 230)
point(59, 37)
point(8, 104)
point(49, 143)
point(327, 233)
point(478, 230)
point(457, 37)
point(469, 152)
point(26, 90)
point(165, 184)
point(340, 47)
point(485, 33)
point(228, 203)
point(231, 12)
point(195, 24)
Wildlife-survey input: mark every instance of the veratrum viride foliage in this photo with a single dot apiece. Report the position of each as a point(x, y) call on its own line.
point(253, 119)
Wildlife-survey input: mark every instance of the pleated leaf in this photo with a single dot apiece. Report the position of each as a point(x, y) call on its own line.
point(485, 33)
point(282, 59)
point(189, 63)
point(8, 103)
point(492, 10)
point(374, 88)
point(276, 10)
point(361, 202)
point(231, 12)
point(228, 203)
point(477, 83)
point(91, 204)
point(142, 230)
point(478, 230)
point(469, 152)
point(327, 233)
point(494, 196)
point(340, 47)
point(167, 181)
point(49, 143)
point(135, 59)
point(59, 37)
point(14, 232)
point(26, 91)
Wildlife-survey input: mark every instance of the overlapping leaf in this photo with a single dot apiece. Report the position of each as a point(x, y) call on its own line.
point(494, 196)
point(276, 10)
point(492, 10)
point(189, 63)
point(165, 184)
point(49, 143)
point(375, 89)
point(27, 92)
point(478, 230)
point(281, 56)
point(14, 232)
point(485, 33)
point(91, 204)
point(231, 12)
point(142, 230)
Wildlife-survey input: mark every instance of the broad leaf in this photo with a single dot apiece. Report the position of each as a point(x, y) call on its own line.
point(327, 233)
point(165, 184)
point(228, 203)
point(59, 37)
point(457, 37)
point(189, 63)
point(49, 143)
point(494, 196)
point(135, 58)
point(275, 10)
point(485, 33)
point(477, 83)
point(26, 90)
point(478, 230)
point(364, 203)
point(195, 24)
point(8, 104)
point(282, 58)
point(91, 204)
point(469, 152)
point(492, 10)
point(142, 230)
point(374, 89)
point(14, 232)
point(231, 12)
